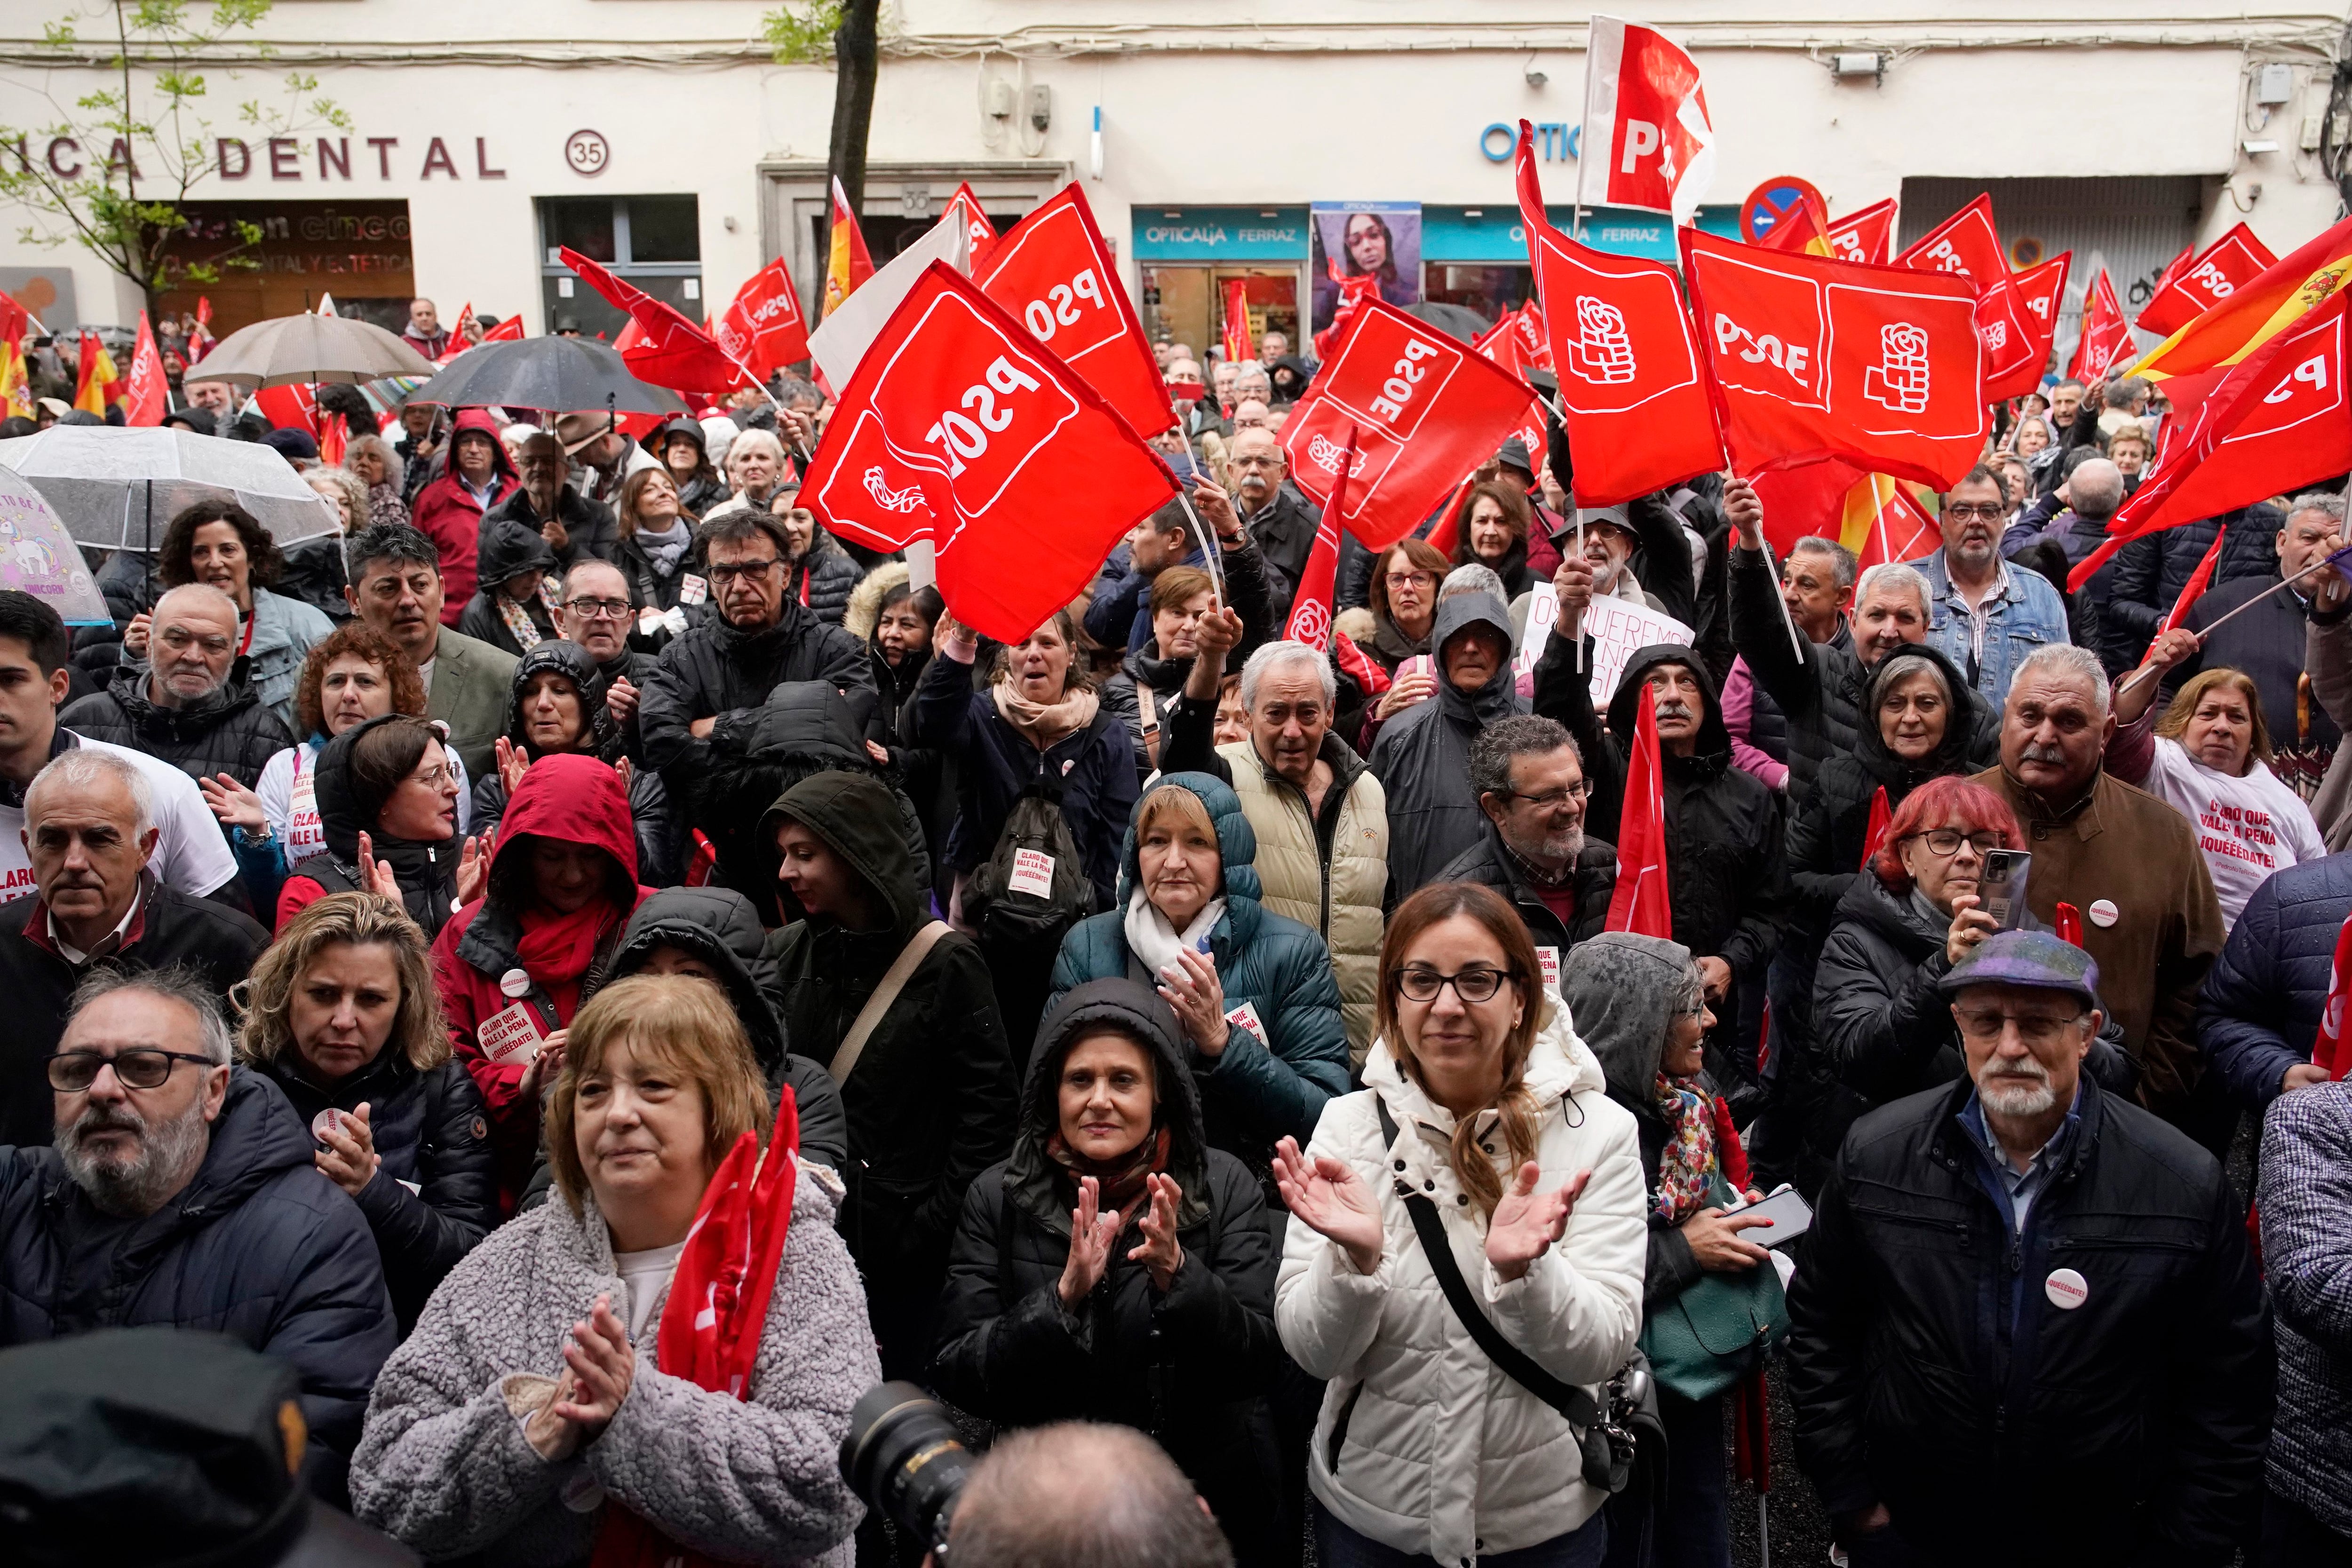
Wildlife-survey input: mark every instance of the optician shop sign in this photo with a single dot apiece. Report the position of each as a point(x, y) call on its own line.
point(1556, 141)
point(1220, 233)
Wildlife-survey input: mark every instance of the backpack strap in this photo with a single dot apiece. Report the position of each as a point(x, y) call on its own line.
point(869, 1016)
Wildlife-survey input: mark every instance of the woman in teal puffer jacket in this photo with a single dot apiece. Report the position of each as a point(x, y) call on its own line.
point(1254, 990)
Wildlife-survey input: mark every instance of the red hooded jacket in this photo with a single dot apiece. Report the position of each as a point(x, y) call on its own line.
point(576, 799)
point(450, 517)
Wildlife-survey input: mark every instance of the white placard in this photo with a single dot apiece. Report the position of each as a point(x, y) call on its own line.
point(1618, 627)
point(1033, 873)
point(1543, 613)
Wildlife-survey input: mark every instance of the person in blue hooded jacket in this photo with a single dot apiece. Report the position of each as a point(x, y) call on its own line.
point(1253, 990)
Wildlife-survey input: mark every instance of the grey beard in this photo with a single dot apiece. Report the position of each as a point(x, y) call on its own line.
point(1559, 849)
point(2007, 1094)
point(134, 1187)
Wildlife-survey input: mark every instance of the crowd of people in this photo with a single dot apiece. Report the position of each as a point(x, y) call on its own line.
point(1193, 1030)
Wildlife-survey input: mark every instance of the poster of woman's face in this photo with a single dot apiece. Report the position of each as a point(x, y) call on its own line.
point(1357, 239)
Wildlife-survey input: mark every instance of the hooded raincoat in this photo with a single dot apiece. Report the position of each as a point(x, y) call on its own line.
point(1189, 1364)
point(931, 1099)
point(448, 514)
point(661, 854)
point(1273, 1080)
point(508, 547)
point(572, 799)
point(1422, 756)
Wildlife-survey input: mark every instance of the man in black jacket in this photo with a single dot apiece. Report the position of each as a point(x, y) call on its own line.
point(181, 1191)
point(2029, 1330)
point(575, 528)
point(1726, 868)
point(702, 701)
point(1279, 519)
point(595, 614)
point(189, 703)
point(1530, 781)
point(90, 831)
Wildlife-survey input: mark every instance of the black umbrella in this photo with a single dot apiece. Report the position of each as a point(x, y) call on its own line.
point(1458, 320)
point(546, 372)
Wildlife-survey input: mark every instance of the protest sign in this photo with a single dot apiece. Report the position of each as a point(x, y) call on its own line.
point(1618, 627)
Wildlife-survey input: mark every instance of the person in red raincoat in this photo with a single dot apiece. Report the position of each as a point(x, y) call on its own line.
point(563, 882)
point(448, 511)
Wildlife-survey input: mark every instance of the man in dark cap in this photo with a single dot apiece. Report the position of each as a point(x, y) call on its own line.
point(2024, 1278)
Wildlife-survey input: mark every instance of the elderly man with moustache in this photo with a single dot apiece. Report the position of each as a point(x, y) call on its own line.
point(396, 587)
point(1277, 516)
point(181, 1191)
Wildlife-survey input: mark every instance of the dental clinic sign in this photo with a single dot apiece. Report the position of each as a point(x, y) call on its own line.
point(1555, 142)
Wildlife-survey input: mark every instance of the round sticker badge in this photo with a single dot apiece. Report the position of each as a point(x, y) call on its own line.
point(2104, 913)
point(326, 1121)
point(2067, 1289)
point(514, 984)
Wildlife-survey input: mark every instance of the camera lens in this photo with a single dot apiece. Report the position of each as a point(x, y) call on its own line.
point(906, 1459)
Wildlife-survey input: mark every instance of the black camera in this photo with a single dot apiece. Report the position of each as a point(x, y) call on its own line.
point(906, 1459)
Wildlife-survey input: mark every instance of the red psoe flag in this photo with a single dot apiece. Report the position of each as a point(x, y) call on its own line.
point(2194, 589)
point(1311, 614)
point(148, 398)
point(1866, 236)
point(2194, 285)
point(965, 208)
point(1873, 834)
point(506, 332)
point(959, 427)
point(2277, 422)
point(1810, 358)
point(2107, 338)
point(2327, 1049)
point(1648, 143)
point(1053, 270)
point(2257, 310)
point(1236, 343)
point(764, 330)
point(1966, 245)
point(1636, 409)
point(674, 352)
point(2039, 290)
point(1426, 408)
point(1640, 904)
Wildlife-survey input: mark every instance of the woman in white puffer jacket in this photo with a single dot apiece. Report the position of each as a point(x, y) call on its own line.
point(1425, 1447)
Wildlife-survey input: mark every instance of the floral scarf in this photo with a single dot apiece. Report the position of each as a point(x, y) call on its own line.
point(1120, 1180)
point(517, 616)
point(1687, 1169)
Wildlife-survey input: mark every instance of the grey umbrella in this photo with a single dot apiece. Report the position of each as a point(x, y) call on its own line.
point(1458, 320)
point(291, 349)
point(119, 489)
point(562, 373)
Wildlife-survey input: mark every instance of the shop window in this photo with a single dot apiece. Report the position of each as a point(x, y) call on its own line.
point(1187, 304)
point(1490, 290)
point(654, 242)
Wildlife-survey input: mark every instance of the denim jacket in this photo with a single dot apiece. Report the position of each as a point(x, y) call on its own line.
point(2020, 615)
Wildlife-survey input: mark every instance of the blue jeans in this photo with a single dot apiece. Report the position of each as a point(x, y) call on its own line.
point(1337, 1546)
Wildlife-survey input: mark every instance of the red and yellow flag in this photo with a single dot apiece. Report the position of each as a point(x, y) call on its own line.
point(2257, 311)
point(16, 382)
point(101, 383)
point(848, 264)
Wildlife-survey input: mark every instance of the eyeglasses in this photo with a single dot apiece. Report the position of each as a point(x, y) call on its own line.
point(721, 573)
point(179, 639)
point(600, 609)
point(1963, 512)
point(2034, 1028)
point(1945, 841)
point(1554, 799)
point(1408, 579)
point(433, 776)
point(1473, 985)
point(143, 1067)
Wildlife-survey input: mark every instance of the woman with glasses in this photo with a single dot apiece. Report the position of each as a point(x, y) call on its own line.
point(1190, 918)
point(654, 554)
point(558, 709)
point(341, 1014)
point(1404, 601)
point(1640, 1003)
point(1479, 1098)
point(354, 675)
point(387, 791)
point(1882, 1028)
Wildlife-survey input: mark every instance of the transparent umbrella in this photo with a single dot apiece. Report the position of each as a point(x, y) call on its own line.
point(119, 489)
point(37, 557)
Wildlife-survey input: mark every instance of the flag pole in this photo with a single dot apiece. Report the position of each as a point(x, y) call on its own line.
point(2134, 678)
point(1208, 549)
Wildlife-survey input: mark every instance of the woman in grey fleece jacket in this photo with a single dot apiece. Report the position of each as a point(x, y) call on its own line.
point(446, 1467)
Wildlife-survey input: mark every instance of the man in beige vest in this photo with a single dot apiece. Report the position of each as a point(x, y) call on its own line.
point(1320, 817)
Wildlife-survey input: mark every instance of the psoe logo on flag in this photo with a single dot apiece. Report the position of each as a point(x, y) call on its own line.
point(1326, 453)
point(1796, 359)
point(878, 485)
point(1603, 348)
point(1899, 380)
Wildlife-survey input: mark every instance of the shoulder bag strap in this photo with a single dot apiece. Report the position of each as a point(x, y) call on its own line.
point(870, 1016)
point(1579, 1407)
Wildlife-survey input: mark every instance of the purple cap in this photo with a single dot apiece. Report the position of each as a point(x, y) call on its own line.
point(2036, 959)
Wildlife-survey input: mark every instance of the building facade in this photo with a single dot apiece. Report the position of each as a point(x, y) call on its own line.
point(1222, 141)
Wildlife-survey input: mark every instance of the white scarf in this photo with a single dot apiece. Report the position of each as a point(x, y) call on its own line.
point(1153, 940)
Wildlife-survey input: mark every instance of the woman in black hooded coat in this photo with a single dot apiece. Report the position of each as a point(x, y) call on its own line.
point(349, 806)
point(509, 553)
point(1188, 1360)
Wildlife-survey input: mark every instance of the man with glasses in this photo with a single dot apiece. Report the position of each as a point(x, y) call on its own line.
point(1983, 616)
point(2129, 865)
point(2021, 1268)
point(189, 703)
point(596, 615)
point(1278, 517)
point(575, 528)
point(396, 586)
point(1529, 777)
point(90, 834)
point(700, 703)
point(180, 1192)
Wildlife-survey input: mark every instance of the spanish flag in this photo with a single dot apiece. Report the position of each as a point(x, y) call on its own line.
point(847, 264)
point(2257, 311)
point(101, 383)
point(16, 382)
